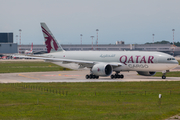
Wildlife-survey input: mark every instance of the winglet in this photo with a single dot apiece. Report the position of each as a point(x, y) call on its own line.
point(51, 43)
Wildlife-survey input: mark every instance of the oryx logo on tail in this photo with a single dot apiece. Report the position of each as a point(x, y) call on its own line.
point(50, 41)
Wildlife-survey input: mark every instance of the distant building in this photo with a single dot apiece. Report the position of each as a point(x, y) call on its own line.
point(8, 48)
point(6, 37)
point(6, 44)
point(119, 42)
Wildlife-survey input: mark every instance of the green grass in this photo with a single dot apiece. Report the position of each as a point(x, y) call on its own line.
point(26, 66)
point(122, 100)
point(169, 74)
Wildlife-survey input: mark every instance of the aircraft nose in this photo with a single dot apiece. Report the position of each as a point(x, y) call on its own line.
point(177, 62)
point(174, 64)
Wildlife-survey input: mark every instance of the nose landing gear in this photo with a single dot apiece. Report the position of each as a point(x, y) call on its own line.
point(164, 74)
point(163, 77)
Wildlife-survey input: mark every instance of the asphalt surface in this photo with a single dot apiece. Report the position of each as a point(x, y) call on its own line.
point(76, 76)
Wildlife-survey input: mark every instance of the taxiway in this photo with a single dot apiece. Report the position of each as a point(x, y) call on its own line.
point(75, 76)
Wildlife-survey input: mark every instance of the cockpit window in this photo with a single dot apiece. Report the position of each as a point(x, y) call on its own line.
point(171, 59)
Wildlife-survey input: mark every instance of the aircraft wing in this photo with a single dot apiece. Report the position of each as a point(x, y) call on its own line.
point(66, 61)
point(57, 59)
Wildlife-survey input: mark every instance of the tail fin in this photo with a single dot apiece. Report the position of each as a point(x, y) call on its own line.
point(51, 43)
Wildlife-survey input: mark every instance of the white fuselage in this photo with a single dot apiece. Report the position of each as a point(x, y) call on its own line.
point(130, 60)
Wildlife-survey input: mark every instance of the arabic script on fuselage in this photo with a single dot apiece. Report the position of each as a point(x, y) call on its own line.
point(107, 55)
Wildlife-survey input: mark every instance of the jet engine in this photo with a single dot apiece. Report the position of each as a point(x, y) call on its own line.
point(102, 69)
point(146, 73)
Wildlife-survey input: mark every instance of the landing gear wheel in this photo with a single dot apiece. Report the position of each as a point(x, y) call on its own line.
point(164, 74)
point(91, 76)
point(87, 76)
point(122, 76)
point(117, 76)
point(112, 76)
point(163, 77)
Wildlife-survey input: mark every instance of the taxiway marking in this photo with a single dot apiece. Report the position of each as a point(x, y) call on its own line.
point(63, 75)
point(28, 77)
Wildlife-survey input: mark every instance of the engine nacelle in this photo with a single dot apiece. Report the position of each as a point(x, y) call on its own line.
point(102, 69)
point(146, 73)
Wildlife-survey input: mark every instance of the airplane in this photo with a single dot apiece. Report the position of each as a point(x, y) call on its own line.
point(104, 63)
point(29, 52)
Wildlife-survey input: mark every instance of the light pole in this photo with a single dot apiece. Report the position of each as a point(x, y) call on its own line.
point(153, 38)
point(17, 39)
point(97, 38)
point(20, 36)
point(173, 41)
point(173, 35)
point(92, 41)
point(20, 40)
point(81, 38)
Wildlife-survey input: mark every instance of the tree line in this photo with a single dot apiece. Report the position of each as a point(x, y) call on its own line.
point(165, 42)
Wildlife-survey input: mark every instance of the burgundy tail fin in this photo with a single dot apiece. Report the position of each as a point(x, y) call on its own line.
point(51, 43)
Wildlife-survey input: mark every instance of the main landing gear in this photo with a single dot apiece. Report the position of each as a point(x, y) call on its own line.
point(91, 76)
point(117, 76)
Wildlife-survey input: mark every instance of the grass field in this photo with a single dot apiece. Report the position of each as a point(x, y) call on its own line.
point(169, 74)
point(122, 100)
point(28, 66)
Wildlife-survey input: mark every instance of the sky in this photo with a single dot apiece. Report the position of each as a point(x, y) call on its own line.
point(131, 21)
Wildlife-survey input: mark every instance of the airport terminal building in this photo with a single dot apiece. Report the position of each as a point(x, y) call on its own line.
point(167, 48)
